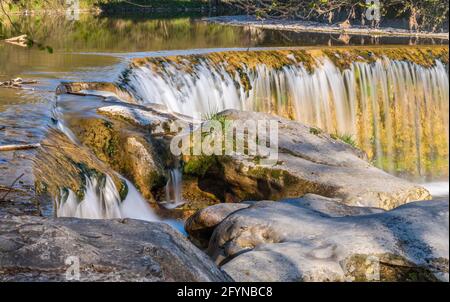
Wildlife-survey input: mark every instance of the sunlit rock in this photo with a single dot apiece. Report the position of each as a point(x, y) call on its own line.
point(41, 249)
point(309, 161)
point(292, 241)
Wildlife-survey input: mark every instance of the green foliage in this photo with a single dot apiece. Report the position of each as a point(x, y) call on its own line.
point(346, 138)
point(199, 165)
point(422, 14)
point(215, 116)
point(315, 131)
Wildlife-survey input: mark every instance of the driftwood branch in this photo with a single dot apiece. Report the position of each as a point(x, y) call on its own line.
point(19, 147)
point(16, 83)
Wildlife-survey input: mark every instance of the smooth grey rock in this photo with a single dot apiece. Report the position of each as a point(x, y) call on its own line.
point(200, 226)
point(332, 207)
point(35, 249)
point(279, 241)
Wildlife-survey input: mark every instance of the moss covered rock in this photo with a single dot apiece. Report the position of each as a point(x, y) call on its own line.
point(61, 165)
point(127, 149)
point(307, 162)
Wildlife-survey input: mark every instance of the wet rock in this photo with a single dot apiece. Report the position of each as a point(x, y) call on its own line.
point(133, 140)
point(36, 249)
point(192, 196)
point(127, 149)
point(309, 161)
point(103, 89)
point(61, 165)
point(154, 117)
point(286, 241)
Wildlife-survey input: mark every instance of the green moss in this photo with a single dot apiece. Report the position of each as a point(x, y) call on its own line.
point(391, 268)
point(274, 174)
point(346, 138)
point(123, 190)
point(199, 165)
point(315, 131)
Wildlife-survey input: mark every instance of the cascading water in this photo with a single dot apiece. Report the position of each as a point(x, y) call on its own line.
point(102, 201)
point(173, 189)
point(396, 111)
point(61, 125)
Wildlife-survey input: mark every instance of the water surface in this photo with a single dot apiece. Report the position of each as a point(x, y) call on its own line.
point(97, 48)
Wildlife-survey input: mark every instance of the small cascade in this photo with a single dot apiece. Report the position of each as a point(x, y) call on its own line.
point(438, 189)
point(396, 111)
point(58, 119)
point(174, 196)
point(102, 201)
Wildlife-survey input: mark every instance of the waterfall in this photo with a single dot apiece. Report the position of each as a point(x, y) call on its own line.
point(174, 190)
point(60, 124)
point(396, 111)
point(102, 201)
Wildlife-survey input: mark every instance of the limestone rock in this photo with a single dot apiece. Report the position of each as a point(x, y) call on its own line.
point(60, 164)
point(201, 225)
point(153, 116)
point(292, 241)
point(128, 149)
point(309, 161)
point(36, 249)
point(103, 89)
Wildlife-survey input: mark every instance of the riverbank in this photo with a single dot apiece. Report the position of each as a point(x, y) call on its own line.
point(111, 7)
point(317, 27)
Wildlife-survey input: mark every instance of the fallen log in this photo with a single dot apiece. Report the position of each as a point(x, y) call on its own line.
point(19, 147)
point(16, 83)
point(21, 40)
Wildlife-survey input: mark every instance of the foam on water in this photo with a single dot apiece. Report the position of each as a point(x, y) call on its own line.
point(102, 201)
point(438, 189)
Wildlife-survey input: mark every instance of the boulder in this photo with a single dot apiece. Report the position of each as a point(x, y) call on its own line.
point(332, 207)
point(42, 249)
point(125, 145)
point(201, 225)
point(316, 240)
point(309, 161)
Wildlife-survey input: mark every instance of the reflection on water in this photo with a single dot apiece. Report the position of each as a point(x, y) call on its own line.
point(142, 33)
point(97, 34)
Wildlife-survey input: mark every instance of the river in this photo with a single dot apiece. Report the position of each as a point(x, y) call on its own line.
point(99, 48)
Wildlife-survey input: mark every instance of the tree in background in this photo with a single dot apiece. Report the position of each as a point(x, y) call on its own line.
point(422, 14)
